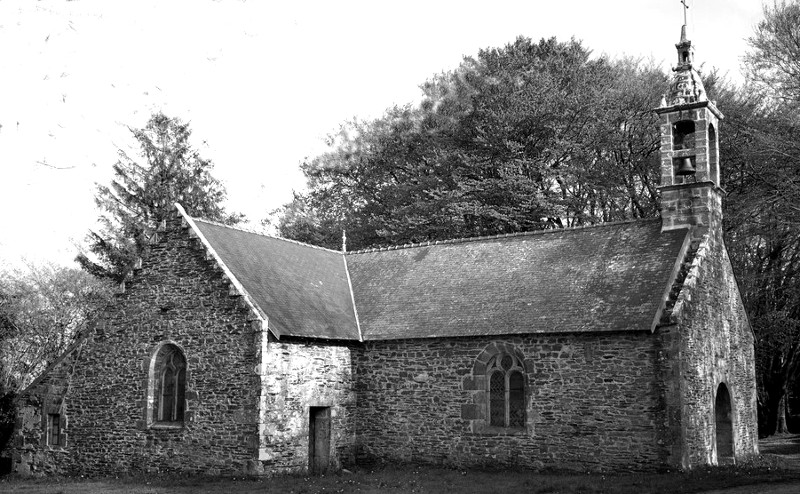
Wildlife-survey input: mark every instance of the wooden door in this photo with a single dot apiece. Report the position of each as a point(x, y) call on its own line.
point(319, 439)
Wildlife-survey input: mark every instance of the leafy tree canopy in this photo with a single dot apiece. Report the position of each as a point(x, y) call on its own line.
point(761, 171)
point(43, 309)
point(774, 60)
point(529, 136)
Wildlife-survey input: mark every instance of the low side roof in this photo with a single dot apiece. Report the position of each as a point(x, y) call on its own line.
point(606, 278)
point(302, 289)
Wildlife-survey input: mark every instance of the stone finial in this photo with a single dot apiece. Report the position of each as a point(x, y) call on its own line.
point(686, 86)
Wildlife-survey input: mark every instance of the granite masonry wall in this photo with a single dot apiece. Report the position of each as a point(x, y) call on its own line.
point(593, 401)
point(30, 451)
point(247, 395)
point(176, 297)
point(297, 375)
point(716, 347)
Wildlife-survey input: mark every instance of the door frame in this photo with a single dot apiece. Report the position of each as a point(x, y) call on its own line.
point(318, 415)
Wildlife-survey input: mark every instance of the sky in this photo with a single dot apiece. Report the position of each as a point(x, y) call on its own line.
point(262, 83)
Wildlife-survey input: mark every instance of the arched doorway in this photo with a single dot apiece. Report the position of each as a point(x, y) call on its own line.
point(724, 424)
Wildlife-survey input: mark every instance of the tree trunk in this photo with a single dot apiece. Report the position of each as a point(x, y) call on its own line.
point(773, 404)
point(781, 427)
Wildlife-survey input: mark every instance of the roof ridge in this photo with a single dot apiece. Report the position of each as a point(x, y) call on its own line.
point(262, 234)
point(353, 298)
point(501, 235)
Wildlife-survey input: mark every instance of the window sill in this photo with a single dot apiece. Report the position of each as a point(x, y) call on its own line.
point(167, 425)
point(493, 430)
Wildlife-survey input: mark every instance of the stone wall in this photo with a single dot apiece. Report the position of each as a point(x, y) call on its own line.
point(698, 204)
point(30, 453)
point(716, 347)
point(179, 297)
point(247, 394)
point(592, 402)
point(297, 375)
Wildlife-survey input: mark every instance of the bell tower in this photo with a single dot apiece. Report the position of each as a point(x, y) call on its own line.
point(690, 178)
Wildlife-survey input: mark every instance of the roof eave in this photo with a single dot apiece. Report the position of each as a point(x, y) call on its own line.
point(687, 241)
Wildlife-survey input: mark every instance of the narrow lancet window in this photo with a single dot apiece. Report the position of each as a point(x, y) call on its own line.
point(516, 400)
point(497, 399)
point(53, 429)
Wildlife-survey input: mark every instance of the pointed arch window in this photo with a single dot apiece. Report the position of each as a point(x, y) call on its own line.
point(506, 383)
point(170, 385)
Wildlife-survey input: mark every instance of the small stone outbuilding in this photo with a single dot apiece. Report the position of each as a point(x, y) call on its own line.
point(617, 346)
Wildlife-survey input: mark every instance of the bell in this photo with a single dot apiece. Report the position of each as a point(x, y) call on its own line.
point(686, 168)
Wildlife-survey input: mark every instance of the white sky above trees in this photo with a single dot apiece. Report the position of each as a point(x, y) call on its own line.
point(261, 83)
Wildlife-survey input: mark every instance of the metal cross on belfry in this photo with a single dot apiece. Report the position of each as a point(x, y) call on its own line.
point(685, 9)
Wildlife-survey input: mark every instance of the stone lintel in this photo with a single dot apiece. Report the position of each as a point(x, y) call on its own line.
point(690, 106)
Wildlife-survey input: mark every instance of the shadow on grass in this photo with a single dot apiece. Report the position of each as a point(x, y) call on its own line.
point(781, 444)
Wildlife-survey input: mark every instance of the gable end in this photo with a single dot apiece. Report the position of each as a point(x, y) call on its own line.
point(236, 288)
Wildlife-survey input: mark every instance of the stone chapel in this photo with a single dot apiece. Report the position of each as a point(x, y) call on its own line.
point(612, 347)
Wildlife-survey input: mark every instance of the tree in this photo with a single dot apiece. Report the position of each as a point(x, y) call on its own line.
point(765, 235)
point(44, 308)
point(762, 133)
point(760, 175)
point(7, 394)
point(143, 192)
point(774, 60)
point(530, 136)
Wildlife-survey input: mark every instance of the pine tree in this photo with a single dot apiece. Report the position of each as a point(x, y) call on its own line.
point(143, 193)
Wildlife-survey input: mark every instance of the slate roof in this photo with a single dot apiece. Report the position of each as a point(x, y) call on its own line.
point(606, 278)
point(613, 277)
point(302, 289)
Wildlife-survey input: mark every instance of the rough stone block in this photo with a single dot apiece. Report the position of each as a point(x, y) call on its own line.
point(469, 412)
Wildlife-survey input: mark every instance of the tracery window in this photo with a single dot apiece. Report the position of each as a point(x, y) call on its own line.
point(506, 383)
point(170, 385)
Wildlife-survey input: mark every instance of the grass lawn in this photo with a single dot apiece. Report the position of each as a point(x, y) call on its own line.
point(422, 479)
point(779, 463)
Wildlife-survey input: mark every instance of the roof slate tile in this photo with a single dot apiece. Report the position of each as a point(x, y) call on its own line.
point(611, 277)
point(606, 278)
point(302, 289)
